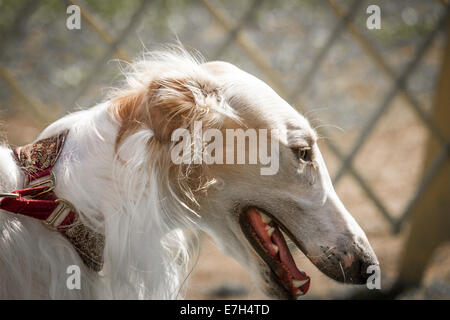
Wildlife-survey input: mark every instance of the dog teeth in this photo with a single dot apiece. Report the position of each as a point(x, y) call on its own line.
point(275, 247)
point(270, 230)
point(265, 218)
point(299, 283)
point(299, 293)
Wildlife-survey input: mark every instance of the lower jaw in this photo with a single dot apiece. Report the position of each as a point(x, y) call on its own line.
point(275, 289)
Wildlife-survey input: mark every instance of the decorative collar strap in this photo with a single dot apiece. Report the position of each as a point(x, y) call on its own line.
point(38, 200)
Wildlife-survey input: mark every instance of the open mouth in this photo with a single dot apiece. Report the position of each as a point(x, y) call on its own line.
point(265, 236)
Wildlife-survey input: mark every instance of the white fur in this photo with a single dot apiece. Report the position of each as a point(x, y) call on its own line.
point(146, 256)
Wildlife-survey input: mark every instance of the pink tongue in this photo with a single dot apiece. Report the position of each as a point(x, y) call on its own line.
point(284, 254)
point(286, 257)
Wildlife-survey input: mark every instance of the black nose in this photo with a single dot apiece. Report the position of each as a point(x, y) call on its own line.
point(361, 270)
point(349, 262)
point(349, 268)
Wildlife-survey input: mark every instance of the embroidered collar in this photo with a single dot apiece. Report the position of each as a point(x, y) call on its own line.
point(38, 200)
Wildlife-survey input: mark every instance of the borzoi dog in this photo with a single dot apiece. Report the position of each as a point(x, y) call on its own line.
point(119, 208)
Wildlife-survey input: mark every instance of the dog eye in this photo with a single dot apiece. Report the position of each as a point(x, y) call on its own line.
point(303, 153)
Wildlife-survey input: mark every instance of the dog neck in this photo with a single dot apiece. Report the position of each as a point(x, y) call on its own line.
point(118, 193)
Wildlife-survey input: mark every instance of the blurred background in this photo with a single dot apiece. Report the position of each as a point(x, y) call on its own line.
point(379, 98)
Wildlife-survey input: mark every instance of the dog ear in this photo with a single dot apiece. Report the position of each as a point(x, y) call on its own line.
point(169, 103)
point(179, 102)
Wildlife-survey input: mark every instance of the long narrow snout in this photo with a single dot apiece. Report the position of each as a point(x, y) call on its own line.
point(338, 246)
point(335, 243)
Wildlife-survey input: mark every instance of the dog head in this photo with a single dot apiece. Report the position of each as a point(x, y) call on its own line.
point(249, 196)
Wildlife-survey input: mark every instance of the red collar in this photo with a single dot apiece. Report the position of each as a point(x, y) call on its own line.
point(38, 200)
